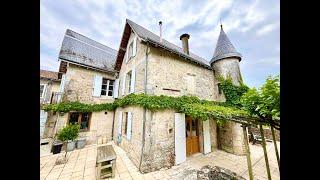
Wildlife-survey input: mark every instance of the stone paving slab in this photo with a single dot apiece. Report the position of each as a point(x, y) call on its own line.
point(81, 165)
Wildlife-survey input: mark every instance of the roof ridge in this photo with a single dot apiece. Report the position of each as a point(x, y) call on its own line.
point(89, 39)
point(167, 40)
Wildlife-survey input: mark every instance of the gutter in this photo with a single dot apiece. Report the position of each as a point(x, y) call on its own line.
point(144, 109)
point(87, 66)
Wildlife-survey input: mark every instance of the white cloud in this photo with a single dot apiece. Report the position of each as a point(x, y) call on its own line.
point(104, 21)
point(267, 29)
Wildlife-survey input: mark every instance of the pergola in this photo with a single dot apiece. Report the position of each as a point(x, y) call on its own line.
point(246, 122)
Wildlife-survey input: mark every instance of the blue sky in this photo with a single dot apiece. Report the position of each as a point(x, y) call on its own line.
point(253, 27)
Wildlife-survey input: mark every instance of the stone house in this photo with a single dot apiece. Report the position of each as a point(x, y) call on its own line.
point(49, 86)
point(87, 76)
point(147, 63)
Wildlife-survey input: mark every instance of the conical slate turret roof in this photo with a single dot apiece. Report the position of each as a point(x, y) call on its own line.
point(224, 48)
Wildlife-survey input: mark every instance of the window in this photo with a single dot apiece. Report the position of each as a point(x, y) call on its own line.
point(42, 90)
point(129, 74)
point(131, 50)
point(83, 119)
point(107, 87)
point(219, 88)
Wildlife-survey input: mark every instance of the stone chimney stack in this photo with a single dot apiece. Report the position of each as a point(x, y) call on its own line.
point(185, 44)
point(160, 25)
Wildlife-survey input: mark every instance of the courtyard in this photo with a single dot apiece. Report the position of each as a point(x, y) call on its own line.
point(81, 165)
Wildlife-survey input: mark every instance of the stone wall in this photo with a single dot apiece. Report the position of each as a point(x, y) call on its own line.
point(134, 145)
point(231, 138)
point(159, 141)
point(267, 132)
point(139, 62)
point(100, 127)
point(228, 68)
point(168, 71)
point(213, 134)
point(79, 85)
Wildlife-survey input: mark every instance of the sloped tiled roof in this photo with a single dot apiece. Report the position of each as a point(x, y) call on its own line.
point(224, 48)
point(49, 75)
point(79, 49)
point(149, 36)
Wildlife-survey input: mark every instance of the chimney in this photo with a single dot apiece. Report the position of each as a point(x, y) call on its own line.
point(160, 25)
point(185, 45)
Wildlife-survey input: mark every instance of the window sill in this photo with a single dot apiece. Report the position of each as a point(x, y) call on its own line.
point(106, 97)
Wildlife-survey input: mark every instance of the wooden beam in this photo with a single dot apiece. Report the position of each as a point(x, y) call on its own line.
point(244, 128)
point(265, 152)
point(275, 147)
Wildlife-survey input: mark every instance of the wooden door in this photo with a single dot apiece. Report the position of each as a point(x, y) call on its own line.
point(192, 136)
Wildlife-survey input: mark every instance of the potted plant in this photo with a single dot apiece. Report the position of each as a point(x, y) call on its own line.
point(67, 135)
point(81, 142)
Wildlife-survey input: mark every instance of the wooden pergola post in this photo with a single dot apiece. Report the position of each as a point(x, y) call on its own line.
point(275, 146)
point(244, 128)
point(265, 152)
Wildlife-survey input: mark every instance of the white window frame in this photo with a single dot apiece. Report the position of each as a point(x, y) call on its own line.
point(133, 45)
point(107, 89)
point(44, 90)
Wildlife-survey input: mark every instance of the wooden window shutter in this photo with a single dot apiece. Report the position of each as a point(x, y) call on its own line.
point(63, 80)
point(123, 84)
point(133, 80)
point(116, 88)
point(129, 125)
point(120, 123)
point(97, 84)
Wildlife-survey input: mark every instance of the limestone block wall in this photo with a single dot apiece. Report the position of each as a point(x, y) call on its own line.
point(100, 127)
point(79, 85)
point(168, 71)
point(228, 68)
point(159, 142)
point(213, 134)
point(231, 138)
point(139, 62)
point(134, 145)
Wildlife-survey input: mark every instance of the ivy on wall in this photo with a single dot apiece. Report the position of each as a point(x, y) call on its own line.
point(232, 93)
point(190, 105)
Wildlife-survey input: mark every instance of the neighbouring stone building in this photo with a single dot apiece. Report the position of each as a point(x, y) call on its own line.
point(147, 63)
point(49, 86)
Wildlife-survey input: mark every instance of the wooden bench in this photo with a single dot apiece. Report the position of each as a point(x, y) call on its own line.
point(106, 161)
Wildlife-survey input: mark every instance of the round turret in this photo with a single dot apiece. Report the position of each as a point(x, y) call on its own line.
point(225, 60)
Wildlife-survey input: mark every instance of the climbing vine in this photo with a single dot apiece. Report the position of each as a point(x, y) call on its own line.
point(190, 105)
point(232, 92)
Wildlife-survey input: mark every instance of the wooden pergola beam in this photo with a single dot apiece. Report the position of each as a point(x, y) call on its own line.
point(244, 128)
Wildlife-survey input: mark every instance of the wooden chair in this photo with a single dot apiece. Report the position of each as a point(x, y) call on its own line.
point(255, 138)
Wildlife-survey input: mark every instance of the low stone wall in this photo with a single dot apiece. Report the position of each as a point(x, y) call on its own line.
point(267, 132)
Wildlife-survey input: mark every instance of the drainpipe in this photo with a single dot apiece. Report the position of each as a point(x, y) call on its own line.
point(114, 111)
point(144, 109)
